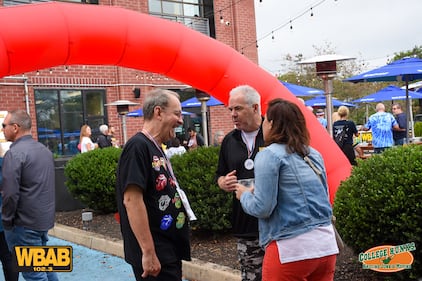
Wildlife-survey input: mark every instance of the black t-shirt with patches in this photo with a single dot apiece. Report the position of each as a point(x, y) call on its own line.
point(143, 164)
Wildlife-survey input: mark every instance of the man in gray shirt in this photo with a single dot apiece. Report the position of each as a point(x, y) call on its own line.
point(28, 188)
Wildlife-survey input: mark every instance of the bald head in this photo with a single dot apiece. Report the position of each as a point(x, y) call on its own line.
point(380, 107)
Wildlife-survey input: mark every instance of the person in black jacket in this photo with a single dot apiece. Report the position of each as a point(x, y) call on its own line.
point(195, 139)
point(104, 139)
point(236, 164)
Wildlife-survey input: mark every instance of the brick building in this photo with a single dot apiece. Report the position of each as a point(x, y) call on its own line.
point(63, 98)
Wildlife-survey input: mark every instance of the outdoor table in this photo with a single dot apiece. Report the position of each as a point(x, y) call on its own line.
point(367, 150)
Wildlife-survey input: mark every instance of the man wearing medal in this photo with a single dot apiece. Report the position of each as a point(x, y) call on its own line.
point(154, 211)
point(235, 164)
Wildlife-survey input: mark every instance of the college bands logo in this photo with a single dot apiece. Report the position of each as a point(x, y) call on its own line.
point(388, 258)
point(43, 258)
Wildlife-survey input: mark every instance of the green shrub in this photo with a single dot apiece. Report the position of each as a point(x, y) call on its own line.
point(195, 172)
point(418, 129)
point(91, 178)
point(381, 204)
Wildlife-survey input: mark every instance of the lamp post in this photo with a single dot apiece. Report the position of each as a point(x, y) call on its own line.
point(326, 68)
point(122, 110)
point(203, 98)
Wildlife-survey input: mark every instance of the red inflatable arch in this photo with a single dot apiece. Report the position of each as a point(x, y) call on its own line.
point(44, 35)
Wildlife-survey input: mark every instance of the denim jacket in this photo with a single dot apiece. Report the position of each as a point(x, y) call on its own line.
point(289, 197)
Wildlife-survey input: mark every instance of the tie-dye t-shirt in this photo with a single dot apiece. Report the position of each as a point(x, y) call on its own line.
point(381, 124)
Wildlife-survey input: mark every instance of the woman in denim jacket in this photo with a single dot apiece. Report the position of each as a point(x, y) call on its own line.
point(290, 199)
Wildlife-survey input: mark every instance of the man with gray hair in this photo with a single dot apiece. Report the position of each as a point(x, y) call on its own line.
point(154, 211)
point(28, 189)
point(104, 139)
point(236, 163)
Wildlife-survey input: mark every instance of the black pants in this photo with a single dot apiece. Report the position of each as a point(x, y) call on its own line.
point(6, 259)
point(169, 272)
point(349, 151)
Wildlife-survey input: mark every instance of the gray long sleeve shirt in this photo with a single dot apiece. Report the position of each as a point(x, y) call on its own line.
point(28, 186)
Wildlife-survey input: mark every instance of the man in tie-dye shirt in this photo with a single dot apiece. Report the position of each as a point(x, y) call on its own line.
point(382, 125)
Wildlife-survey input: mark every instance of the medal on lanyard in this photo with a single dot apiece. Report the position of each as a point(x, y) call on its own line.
point(248, 164)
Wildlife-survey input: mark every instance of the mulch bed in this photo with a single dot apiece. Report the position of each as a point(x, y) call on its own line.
point(217, 248)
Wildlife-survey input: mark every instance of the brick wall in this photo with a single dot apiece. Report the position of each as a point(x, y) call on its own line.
point(119, 82)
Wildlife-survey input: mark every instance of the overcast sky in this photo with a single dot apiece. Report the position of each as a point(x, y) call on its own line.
point(370, 30)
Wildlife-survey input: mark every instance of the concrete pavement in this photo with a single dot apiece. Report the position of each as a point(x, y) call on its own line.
point(96, 257)
point(99, 258)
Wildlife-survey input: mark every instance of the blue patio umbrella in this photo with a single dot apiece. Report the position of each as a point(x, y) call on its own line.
point(194, 102)
point(302, 91)
point(319, 101)
point(140, 113)
point(389, 93)
point(406, 69)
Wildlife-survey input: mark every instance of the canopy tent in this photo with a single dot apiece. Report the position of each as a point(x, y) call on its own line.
point(390, 93)
point(320, 101)
point(406, 69)
point(194, 102)
point(302, 91)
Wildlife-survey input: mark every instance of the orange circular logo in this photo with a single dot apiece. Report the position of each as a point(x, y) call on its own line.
point(388, 258)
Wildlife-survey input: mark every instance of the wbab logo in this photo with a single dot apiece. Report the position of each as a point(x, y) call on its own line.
point(388, 258)
point(43, 258)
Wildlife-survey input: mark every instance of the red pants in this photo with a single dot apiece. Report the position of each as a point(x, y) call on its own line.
point(319, 269)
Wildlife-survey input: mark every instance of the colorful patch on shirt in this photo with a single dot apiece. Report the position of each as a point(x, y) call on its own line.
point(156, 163)
point(163, 162)
point(172, 182)
point(180, 220)
point(177, 201)
point(166, 222)
point(160, 182)
point(164, 202)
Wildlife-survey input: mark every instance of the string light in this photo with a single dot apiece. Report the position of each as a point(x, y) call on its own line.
point(272, 37)
point(288, 23)
point(66, 68)
point(51, 71)
point(38, 72)
point(312, 13)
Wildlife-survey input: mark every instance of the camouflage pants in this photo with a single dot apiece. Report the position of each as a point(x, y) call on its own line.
point(250, 257)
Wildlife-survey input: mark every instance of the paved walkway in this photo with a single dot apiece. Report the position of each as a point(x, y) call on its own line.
point(91, 265)
point(96, 257)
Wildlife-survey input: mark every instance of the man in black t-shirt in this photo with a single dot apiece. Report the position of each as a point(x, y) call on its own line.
point(237, 153)
point(153, 216)
point(399, 135)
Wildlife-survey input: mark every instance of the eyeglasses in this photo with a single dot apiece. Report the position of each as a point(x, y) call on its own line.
point(394, 108)
point(5, 125)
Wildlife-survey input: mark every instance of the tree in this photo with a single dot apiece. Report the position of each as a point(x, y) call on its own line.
point(305, 75)
point(415, 52)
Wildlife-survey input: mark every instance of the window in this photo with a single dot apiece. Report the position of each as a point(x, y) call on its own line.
point(19, 2)
point(196, 14)
point(61, 113)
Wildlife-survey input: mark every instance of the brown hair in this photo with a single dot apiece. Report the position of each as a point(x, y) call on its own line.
point(288, 126)
point(83, 132)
